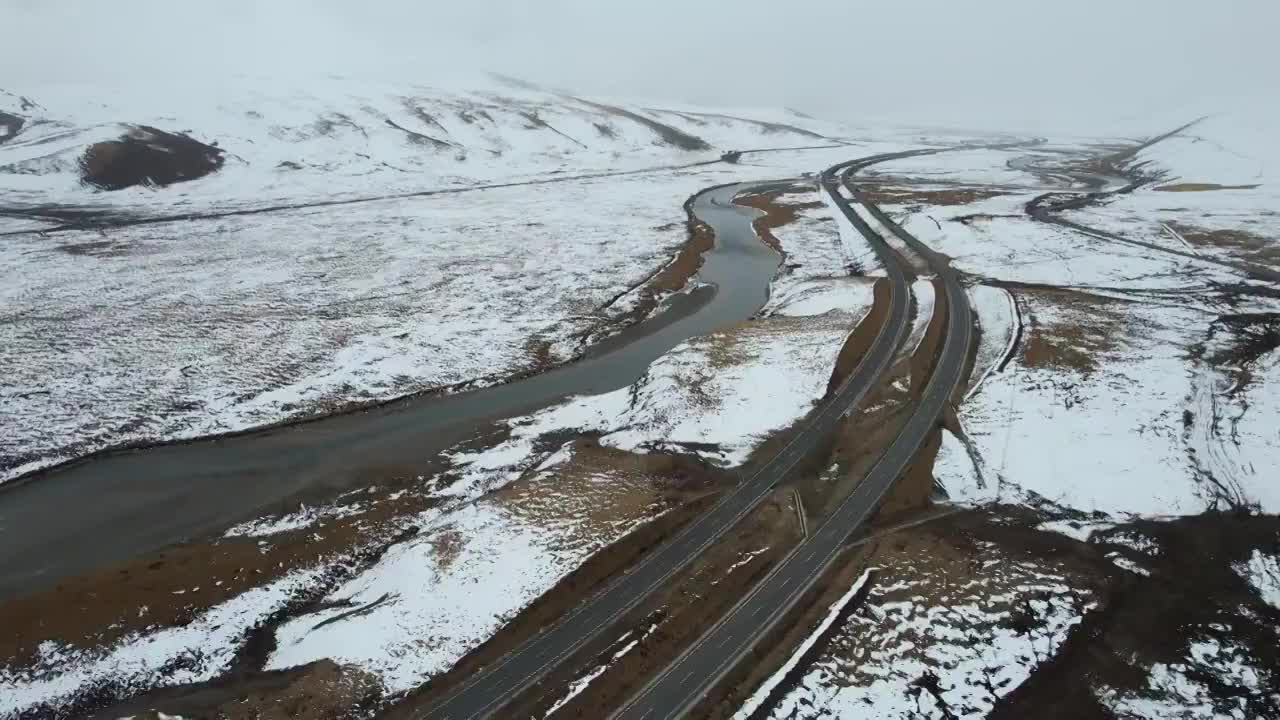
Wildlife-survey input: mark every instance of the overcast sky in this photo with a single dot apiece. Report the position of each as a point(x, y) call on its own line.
point(1085, 65)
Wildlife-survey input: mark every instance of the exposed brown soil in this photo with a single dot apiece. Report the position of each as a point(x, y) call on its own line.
point(860, 340)
point(319, 691)
point(685, 264)
point(1192, 595)
point(914, 490)
point(325, 691)
point(1200, 187)
point(887, 194)
point(638, 485)
point(175, 585)
point(1092, 326)
point(775, 214)
point(149, 157)
point(1242, 244)
point(859, 441)
point(683, 611)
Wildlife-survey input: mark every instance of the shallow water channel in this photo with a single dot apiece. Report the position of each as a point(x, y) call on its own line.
point(106, 509)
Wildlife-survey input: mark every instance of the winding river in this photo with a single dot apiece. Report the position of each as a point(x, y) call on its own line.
point(117, 505)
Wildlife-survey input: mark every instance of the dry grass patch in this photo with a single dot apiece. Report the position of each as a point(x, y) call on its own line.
point(174, 586)
point(883, 194)
point(1200, 187)
point(1241, 244)
point(1066, 329)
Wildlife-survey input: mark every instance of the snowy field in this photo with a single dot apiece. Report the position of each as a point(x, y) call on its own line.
point(1219, 195)
point(332, 138)
point(941, 634)
point(199, 651)
point(1132, 340)
point(182, 329)
point(243, 321)
point(516, 517)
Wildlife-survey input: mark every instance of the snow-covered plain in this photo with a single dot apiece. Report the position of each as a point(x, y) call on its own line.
point(932, 641)
point(1222, 174)
point(180, 329)
point(719, 396)
point(198, 651)
point(438, 596)
point(1126, 344)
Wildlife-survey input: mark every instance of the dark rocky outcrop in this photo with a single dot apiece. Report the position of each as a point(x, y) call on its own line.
point(150, 157)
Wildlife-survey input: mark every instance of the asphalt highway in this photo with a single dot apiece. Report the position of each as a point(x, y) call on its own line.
point(487, 691)
point(684, 683)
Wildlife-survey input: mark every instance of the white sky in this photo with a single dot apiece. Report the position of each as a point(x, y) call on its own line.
point(1083, 65)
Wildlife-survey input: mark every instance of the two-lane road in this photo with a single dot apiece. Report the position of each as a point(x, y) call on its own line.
point(679, 688)
point(487, 691)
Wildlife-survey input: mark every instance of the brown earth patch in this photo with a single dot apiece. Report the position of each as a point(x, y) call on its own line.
point(776, 214)
point(1087, 325)
point(860, 340)
point(914, 489)
point(1201, 187)
point(320, 691)
point(1241, 244)
point(607, 486)
point(174, 586)
point(885, 194)
point(149, 157)
point(859, 441)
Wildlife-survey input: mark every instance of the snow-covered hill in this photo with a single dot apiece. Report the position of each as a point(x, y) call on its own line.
point(555, 209)
point(335, 138)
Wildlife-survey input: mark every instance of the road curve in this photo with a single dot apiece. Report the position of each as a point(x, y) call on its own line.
point(487, 691)
point(683, 684)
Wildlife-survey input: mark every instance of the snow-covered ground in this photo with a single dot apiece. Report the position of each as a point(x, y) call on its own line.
point(180, 329)
point(1263, 574)
point(434, 598)
point(1222, 174)
point(938, 637)
point(1183, 689)
point(719, 396)
point(516, 517)
point(331, 138)
point(168, 331)
point(198, 651)
point(1129, 347)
